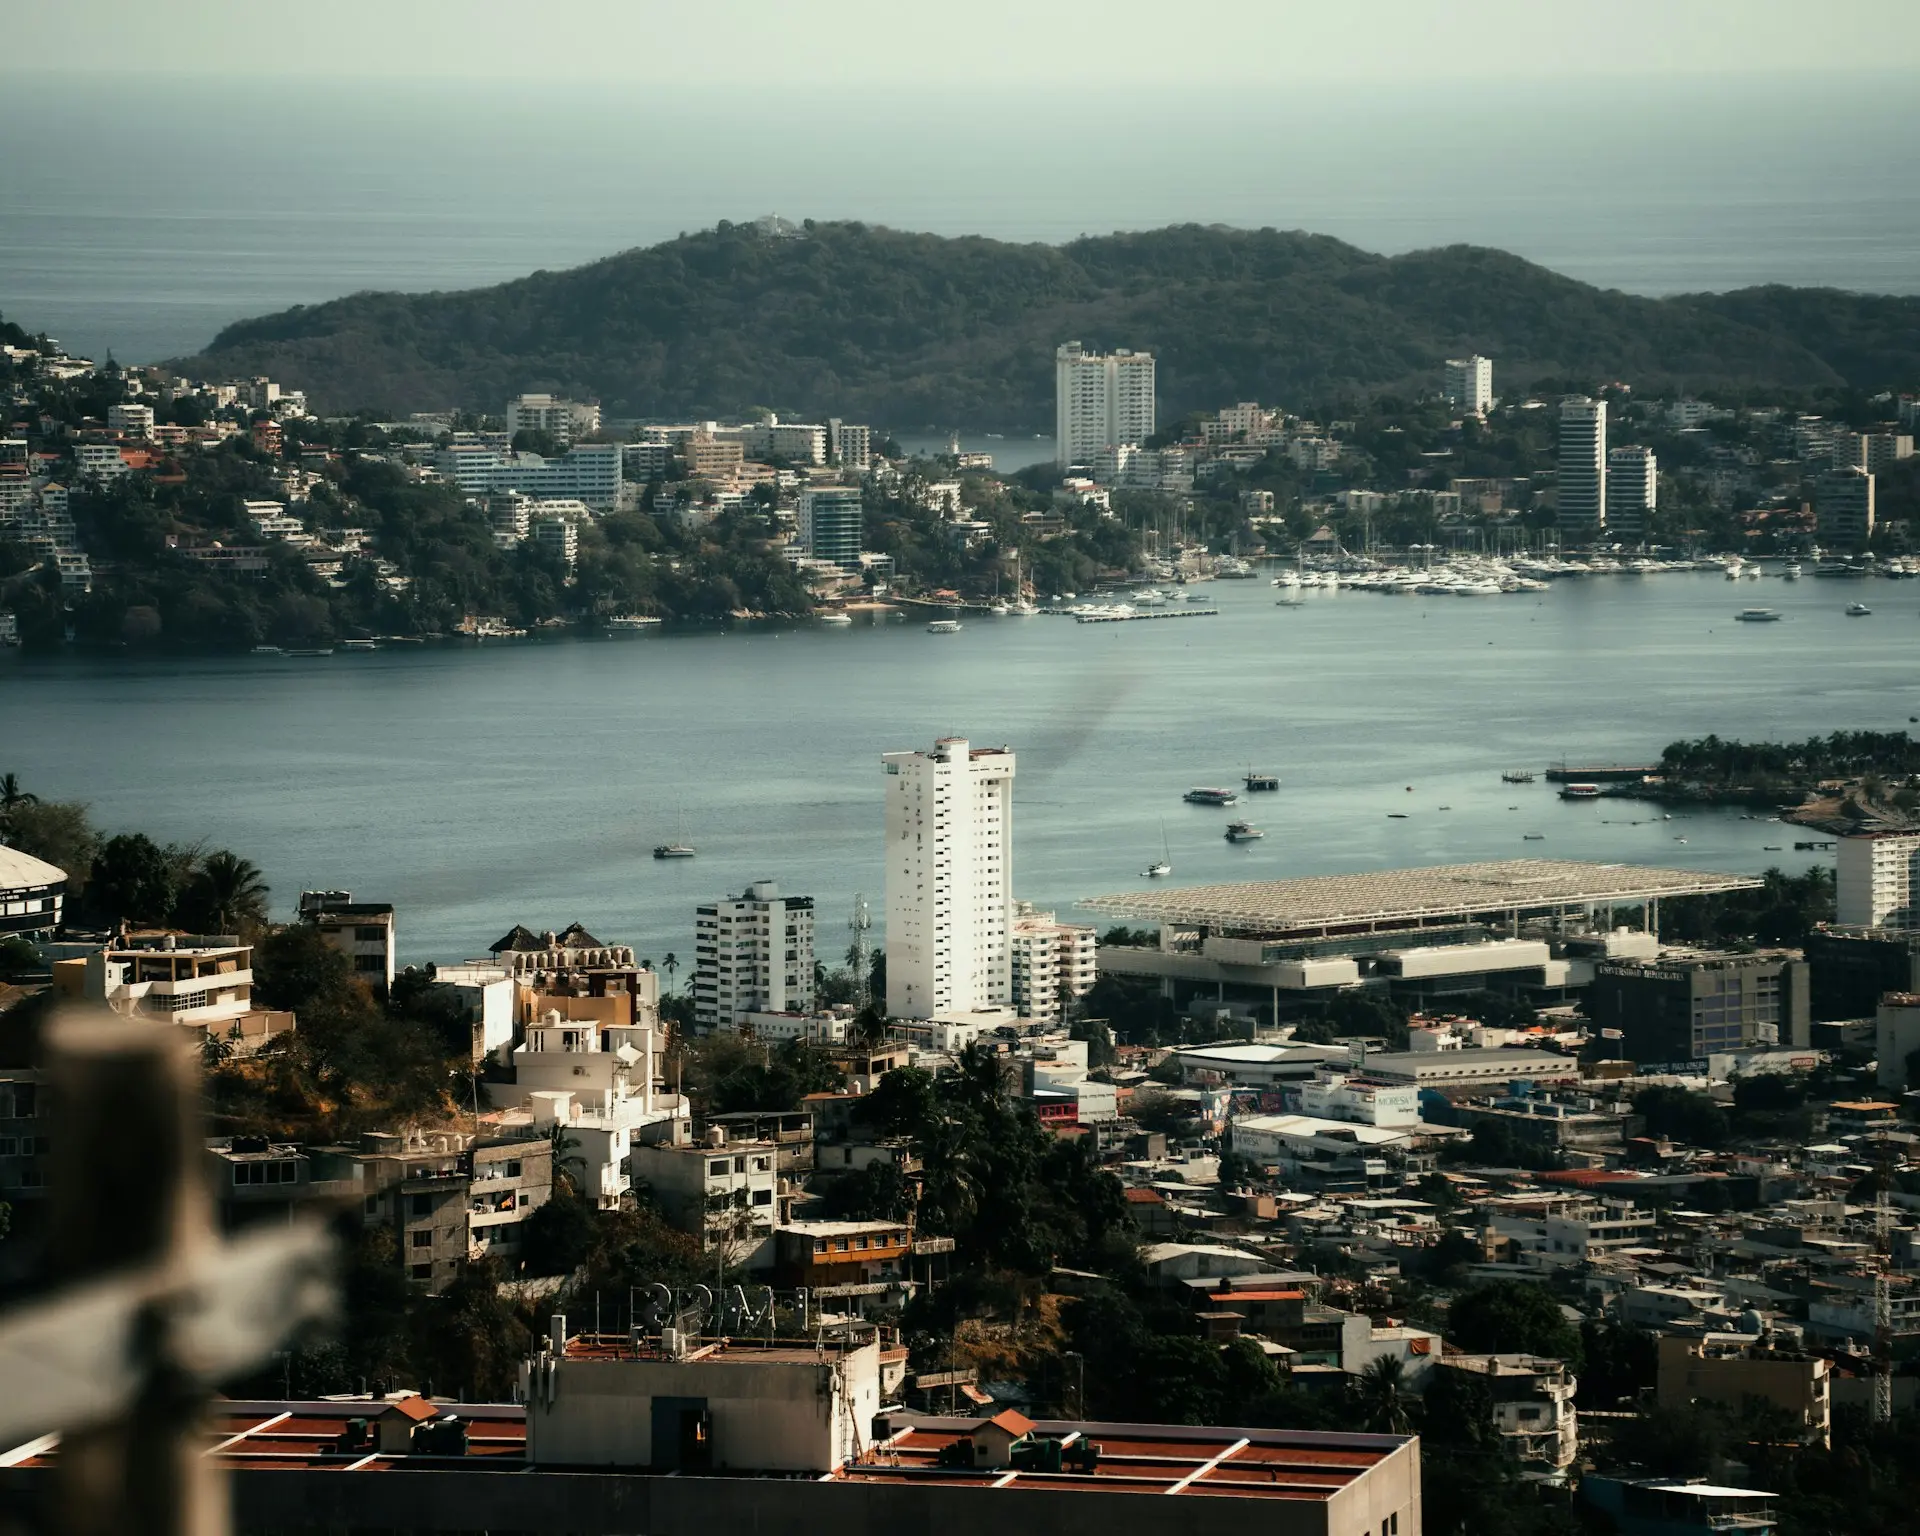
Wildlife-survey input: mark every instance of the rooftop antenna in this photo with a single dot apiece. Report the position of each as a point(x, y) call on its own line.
point(861, 954)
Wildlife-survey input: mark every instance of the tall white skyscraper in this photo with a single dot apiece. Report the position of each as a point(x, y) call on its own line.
point(1583, 468)
point(949, 879)
point(753, 953)
point(1100, 400)
point(1633, 490)
point(1876, 880)
point(1468, 383)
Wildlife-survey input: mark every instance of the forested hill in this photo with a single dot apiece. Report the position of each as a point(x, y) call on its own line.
point(900, 328)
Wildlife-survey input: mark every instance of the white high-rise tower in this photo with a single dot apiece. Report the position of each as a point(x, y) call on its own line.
point(949, 879)
point(1468, 383)
point(1100, 400)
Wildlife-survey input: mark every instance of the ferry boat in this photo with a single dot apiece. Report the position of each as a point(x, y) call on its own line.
point(626, 623)
point(1858, 610)
point(1260, 783)
point(1758, 616)
point(359, 645)
point(1243, 832)
point(1580, 792)
point(1521, 777)
point(944, 627)
point(673, 851)
point(1202, 795)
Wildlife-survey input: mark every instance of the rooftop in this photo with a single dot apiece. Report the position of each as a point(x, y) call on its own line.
point(1409, 895)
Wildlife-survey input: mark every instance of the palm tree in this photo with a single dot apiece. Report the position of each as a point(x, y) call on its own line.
point(1382, 1393)
point(565, 1156)
point(670, 965)
point(232, 893)
point(13, 797)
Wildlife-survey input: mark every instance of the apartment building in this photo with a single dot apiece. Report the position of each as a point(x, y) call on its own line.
point(708, 457)
point(202, 984)
point(1633, 491)
point(1876, 875)
point(130, 420)
point(587, 472)
point(1053, 964)
point(1468, 383)
point(753, 953)
point(1582, 493)
point(1101, 400)
point(850, 446)
point(1843, 509)
point(363, 931)
point(1731, 1369)
point(949, 853)
point(1533, 1412)
point(558, 537)
point(832, 524)
point(562, 420)
point(721, 1191)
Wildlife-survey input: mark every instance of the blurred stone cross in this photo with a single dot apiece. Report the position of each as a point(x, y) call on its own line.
point(151, 1308)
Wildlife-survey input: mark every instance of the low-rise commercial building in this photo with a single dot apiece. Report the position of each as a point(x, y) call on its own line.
point(1683, 1007)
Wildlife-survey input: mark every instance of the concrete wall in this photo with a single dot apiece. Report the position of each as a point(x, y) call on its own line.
point(770, 1416)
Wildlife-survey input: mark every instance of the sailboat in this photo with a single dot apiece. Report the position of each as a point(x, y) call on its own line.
point(679, 848)
point(1164, 864)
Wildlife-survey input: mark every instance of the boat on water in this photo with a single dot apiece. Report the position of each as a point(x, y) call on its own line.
point(944, 627)
point(1792, 572)
point(627, 623)
point(1243, 832)
point(1533, 837)
point(1858, 610)
point(1260, 783)
point(837, 620)
point(1000, 609)
point(1520, 776)
point(1205, 795)
point(359, 645)
point(673, 851)
point(1164, 864)
point(308, 650)
point(1758, 616)
point(1580, 792)
point(268, 650)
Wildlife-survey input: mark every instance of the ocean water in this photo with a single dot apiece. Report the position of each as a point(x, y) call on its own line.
point(527, 782)
point(141, 215)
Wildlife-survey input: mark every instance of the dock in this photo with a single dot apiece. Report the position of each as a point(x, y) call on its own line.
point(1604, 773)
point(1156, 613)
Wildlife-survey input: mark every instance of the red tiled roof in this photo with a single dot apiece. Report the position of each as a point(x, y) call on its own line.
point(1014, 1423)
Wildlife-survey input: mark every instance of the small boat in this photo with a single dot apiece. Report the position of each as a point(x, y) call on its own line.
point(1203, 795)
point(837, 620)
point(268, 650)
point(1580, 792)
point(627, 623)
point(1396, 815)
point(359, 645)
point(1533, 837)
point(1261, 783)
point(944, 627)
point(1164, 864)
point(1758, 616)
point(1001, 609)
point(1520, 777)
point(310, 650)
point(1243, 832)
point(1858, 610)
point(1792, 572)
point(673, 851)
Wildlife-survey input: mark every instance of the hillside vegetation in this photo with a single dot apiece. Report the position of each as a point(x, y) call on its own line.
point(903, 328)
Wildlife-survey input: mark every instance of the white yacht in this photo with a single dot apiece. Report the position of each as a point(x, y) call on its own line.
point(944, 627)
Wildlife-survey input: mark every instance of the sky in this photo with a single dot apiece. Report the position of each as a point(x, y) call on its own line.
point(750, 45)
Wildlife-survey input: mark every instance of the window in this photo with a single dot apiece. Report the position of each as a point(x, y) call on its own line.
point(422, 1205)
point(718, 1168)
point(423, 1239)
point(513, 1169)
point(370, 933)
point(763, 1197)
point(370, 964)
point(421, 1271)
point(372, 1205)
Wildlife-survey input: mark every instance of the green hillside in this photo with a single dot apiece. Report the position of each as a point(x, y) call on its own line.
point(905, 329)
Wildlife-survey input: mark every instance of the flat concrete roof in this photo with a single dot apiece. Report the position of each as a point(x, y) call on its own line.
point(1411, 895)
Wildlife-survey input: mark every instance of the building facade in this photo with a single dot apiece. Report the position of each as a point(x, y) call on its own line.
point(1633, 491)
point(1875, 879)
point(562, 420)
point(832, 524)
point(1468, 383)
point(1843, 507)
point(949, 823)
point(33, 894)
point(1582, 493)
point(1679, 1008)
point(1101, 400)
point(363, 931)
point(753, 954)
point(1053, 964)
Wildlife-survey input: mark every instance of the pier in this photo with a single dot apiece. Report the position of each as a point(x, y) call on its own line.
point(1155, 613)
point(1605, 773)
